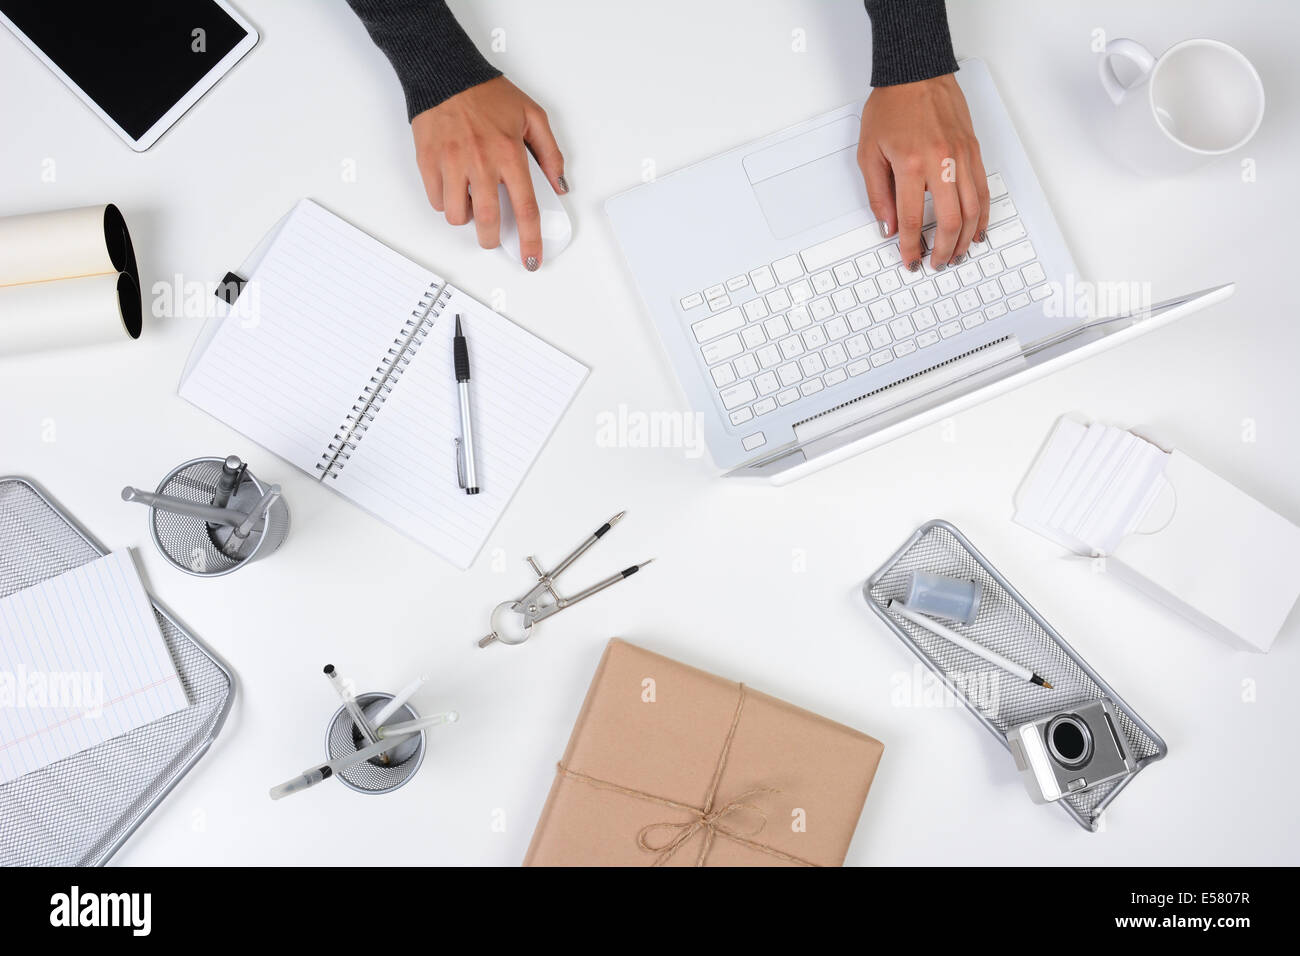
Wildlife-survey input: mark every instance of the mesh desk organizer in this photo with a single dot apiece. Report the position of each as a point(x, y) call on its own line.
point(80, 810)
point(372, 776)
point(1008, 625)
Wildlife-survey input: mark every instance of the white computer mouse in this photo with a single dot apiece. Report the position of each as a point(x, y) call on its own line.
point(557, 228)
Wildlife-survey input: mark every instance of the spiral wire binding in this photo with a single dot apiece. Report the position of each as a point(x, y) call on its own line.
point(413, 332)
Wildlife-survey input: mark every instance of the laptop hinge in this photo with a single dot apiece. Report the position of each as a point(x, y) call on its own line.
point(918, 391)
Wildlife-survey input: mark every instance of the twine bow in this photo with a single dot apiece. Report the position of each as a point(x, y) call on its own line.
point(708, 818)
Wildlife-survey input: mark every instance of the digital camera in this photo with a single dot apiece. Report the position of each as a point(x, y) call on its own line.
point(1070, 751)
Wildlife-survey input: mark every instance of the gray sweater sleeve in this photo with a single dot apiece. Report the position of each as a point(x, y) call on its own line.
point(909, 41)
point(435, 60)
point(431, 54)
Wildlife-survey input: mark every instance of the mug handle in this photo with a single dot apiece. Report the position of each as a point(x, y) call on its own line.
point(1132, 51)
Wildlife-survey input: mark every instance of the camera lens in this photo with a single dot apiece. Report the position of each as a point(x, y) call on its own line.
point(1069, 740)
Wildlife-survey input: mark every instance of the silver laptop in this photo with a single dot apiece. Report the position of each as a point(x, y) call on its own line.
point(797, 332)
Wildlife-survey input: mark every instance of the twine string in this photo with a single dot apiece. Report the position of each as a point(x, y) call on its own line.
point(708, 818)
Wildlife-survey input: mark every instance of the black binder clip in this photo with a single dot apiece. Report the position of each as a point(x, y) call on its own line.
point(228, 289)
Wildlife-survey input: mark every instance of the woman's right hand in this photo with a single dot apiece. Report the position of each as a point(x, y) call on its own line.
point(918, 137)
point(468, 144)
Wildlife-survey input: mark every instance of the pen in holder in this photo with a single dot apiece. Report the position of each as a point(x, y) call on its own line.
point(373, 775)
point(210, 516)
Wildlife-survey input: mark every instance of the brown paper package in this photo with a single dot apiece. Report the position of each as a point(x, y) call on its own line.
point(692, 770)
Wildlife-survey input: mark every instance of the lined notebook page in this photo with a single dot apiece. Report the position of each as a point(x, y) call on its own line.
point(404, 469)
point(81, 661)
point(325, 305)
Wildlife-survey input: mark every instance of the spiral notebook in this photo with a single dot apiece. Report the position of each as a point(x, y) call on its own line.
point(337, 357)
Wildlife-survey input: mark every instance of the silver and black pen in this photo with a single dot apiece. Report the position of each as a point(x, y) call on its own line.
point(466, 471)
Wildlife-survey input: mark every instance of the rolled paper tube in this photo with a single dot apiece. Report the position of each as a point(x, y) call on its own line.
point(64, 244)
point(87, 310)
point(67, 278)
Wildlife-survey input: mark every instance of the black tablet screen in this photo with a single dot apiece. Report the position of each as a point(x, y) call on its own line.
point(135, 58)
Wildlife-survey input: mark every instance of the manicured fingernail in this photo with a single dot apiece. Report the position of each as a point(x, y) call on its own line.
point(914, 265)
point(958, 260)
point(884, 229)
point(563, 184)
point(531, 263)
point(941, 266)
point(980, 237)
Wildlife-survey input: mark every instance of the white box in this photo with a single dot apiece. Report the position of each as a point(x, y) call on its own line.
point(1209, 551)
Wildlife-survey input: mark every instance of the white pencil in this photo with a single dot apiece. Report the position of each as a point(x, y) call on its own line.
point(400, 698)
point(979, 650)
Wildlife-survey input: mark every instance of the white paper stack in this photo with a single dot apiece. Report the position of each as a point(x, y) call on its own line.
point(1091, 486)
point(1167, 525)
point(81, 661)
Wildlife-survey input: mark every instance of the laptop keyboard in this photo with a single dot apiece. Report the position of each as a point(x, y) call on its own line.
point(786, 330)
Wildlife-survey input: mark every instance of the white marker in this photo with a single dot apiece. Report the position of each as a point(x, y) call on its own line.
point(364, 727)
point(412, 726)
point(314, 775)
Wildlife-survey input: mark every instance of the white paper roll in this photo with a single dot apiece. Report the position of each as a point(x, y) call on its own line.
point(67, 278)
point(84, 311)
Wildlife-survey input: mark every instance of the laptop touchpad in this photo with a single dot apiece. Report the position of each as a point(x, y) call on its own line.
point(810, 179)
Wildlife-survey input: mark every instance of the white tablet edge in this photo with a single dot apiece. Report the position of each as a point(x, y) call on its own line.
point(179, 108)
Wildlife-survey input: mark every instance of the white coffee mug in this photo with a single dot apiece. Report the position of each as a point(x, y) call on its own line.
point(1197, 101)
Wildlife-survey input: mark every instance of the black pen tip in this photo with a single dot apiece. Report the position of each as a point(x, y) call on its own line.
point(458, 331)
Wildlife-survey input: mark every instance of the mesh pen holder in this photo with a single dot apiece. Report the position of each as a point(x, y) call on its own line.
point(193, 545)
point(373, 776)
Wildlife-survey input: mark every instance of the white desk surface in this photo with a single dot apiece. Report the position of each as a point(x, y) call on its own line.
point(756, 583)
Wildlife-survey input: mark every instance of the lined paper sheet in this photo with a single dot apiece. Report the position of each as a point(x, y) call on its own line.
point(81, 661)
point(404, 469)
point(324, 306)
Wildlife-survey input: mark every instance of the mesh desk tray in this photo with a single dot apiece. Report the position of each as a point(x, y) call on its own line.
point(1006, 624)
point(80, 810)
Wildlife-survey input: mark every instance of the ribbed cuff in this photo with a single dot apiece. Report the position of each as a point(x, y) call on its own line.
point(433, 58)
point(909, 41)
